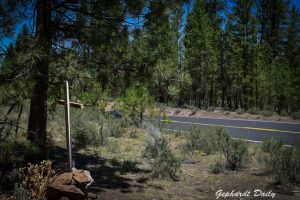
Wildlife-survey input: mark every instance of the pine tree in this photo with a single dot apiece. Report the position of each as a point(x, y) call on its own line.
point(242, 36)
point(213, 9)
point(272, 20)
point(56, 25)
point(16, 68)
point(159, 66)
point(200, 54)
point(292, 53)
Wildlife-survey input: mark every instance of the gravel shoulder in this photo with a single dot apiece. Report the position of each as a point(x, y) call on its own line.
point(219, 114)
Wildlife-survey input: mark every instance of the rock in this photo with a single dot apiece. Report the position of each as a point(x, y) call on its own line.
point(55, 192)
point(82, 178)
point(70, 184)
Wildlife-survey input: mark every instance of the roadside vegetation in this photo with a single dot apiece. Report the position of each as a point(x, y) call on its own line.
point(282, 163)
point(161, 161)
point(131, 62)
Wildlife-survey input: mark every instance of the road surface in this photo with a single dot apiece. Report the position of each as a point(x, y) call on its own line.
point(252, 130)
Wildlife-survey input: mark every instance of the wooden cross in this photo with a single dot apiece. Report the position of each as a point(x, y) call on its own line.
point(67, 104)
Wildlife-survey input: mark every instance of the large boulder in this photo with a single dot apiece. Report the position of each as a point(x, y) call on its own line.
point(70, 184)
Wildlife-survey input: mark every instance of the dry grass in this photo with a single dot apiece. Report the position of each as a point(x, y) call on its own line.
point(196, 179)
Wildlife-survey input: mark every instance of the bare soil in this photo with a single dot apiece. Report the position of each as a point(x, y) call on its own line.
point(224, 114)
point(217, 114)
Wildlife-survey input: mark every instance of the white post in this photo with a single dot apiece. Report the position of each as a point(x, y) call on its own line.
point(68, 125)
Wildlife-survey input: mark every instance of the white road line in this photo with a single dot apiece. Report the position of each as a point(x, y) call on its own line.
point(253, 141)
point(232, 119)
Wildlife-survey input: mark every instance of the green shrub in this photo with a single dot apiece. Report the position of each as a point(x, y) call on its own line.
point(253, 111)
point(284, 113)
point(89, 130)
point(266, 113)
point(115, 128)
point(8, 156)
point(271, 145)
point(210, 109)
point(215, 139)
point(282, 163)
point(133, 133)
point(113, 146)
point(271, 148)
point(225, 108)
point(208, 140)
point(154, 145)
point(236, 154)
point(136, 101)
point(240, 111)
point(287, 168)
point(217, 167)
point(16, 151)
point(296, 115)
point(165, 164)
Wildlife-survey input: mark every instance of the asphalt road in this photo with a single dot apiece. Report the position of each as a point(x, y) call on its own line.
point(252, 130)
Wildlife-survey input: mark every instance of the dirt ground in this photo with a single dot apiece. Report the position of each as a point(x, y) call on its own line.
point(121, 172)
point(225, 114)
point(218, 113)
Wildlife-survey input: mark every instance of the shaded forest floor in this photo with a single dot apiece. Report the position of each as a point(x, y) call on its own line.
point(121, 172)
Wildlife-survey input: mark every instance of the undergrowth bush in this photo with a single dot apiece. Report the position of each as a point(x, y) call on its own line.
point(217, 167)
point(136, 101)
point(236, 154)
point(253, 111)
point(296, 115)
point(208, 140)
point(92, 128)
point(35, 178)
point(266, 113)
point(240, 111)
point(271, 145)
point(284, 113)
point(115, 128)
point(216, 140)
point(271, 148)
point(15, 151)
point(210, 109)
point(281, 162)
point(89, 129)
point(287, 170)
point(165, 164)
point(113, 146)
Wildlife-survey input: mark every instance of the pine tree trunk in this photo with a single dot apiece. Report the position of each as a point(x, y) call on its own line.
point(38, 106)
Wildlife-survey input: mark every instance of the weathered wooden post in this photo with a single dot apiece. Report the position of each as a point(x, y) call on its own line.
point(67, 105)
point(68, 126)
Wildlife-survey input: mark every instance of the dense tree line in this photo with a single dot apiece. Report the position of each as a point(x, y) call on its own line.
point(244, 61)
point(207, 53)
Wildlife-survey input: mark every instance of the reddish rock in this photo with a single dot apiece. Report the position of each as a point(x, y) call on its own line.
point(70, 184)
point(82, 178)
